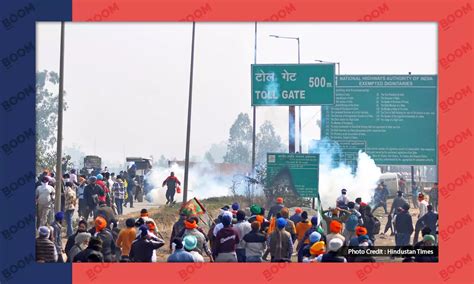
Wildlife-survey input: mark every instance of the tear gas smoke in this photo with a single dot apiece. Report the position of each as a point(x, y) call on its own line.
point(203, 182)
point(333, 178)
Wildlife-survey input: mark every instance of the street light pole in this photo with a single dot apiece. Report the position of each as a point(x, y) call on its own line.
point(299, 107)
point(291, 109)
point(188, 129)
point(254, 116)
point(59, 142)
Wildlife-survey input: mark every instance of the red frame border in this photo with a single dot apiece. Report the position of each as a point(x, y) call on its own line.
point(455, 30)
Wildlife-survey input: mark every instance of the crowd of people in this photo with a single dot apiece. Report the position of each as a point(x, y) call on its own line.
point(236, 235)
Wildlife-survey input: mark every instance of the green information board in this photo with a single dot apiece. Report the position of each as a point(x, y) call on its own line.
point(395, 116)
point(292, 84)
point(301, 169)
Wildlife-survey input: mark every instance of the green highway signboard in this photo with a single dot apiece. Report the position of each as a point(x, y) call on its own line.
point(292, 84)
point(394, 116)
point(346, 152)
point(302, 171)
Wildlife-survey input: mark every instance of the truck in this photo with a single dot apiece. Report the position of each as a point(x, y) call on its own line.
point(92, 165)
point(138, 168)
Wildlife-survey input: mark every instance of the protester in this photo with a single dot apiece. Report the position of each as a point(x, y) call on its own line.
point(281, 244)
point(371, 223)
point(92, 253)
point(191, 228)
point(242, 228)
point(304, 254)
point(179, 254)
point(335, 214)
point(220, 225)
point(58, 241)
point(403, 227)
point(335, 228)
point(235, 208)
point(104, 233)
point(254, 243)
point(402, 185)
point(69, 207)
point(429, 241)
point(44, 201)
point(178, 226)
point(143, 247)
point(364, 243)
point(190, 243)
point(430, 220)
point(91, 195)
point(422, 205)
point(71, 240)
point(333, 248)
point(318, 248)
point(357, 201)
point(354, 219)
point(130, 189)
point(118, 190)
point(398, 201)
point(80, 196)
point(276, 208)
point(106, 212)
point(171, 183)
point(434, 196)
point(255, 210)
point(342, 199)
point(302, 226)
point(226, 242)
point(81, 242)
point(290, 226)
point(380, 197)
point(296, 217)
point(45, 249)
point(125, 239)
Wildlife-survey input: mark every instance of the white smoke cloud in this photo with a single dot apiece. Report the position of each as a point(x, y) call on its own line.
point(203, 182)
point(361, 184)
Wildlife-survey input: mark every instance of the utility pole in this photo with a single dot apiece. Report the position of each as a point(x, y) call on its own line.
point(254, 116)
point(59, 142)
point(188, 129)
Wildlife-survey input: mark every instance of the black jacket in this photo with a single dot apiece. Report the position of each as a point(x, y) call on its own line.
point(403, 223)
point(332, 257)
point(274, 210)
point(88, 254)
point(142, 249)
point(108, 244)
point(106, 212)
point(89, 191)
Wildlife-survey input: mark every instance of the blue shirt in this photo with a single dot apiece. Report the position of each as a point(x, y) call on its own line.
point(180, 255)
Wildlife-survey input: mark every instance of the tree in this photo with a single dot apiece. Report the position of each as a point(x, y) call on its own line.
point(46, 119)
point(218, 150)
point(208, 157)
point(267, 141)
point(240, 141)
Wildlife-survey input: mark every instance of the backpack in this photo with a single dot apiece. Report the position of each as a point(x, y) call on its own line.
point(352, 222)
point(376, 225)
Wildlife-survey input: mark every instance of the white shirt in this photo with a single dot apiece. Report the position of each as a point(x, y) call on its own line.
point(343, 198)
point(197, 256)
point(73, 178)
point(43, 194)
point(423, 206)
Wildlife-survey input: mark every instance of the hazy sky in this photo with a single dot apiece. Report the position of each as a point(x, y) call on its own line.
point(127, 83)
